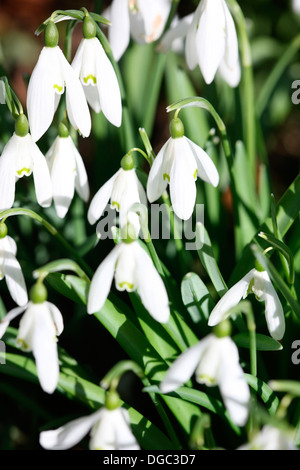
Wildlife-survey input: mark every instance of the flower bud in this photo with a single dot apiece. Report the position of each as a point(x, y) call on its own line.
point(21, 126)
point(88, 28)
point(112, 400)
point(38, 293)
point(51, 35)
point(223, 329)
point(176, 128)
point(127, 162)
point(3, 230)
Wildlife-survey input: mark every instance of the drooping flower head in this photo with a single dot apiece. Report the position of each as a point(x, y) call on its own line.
point(22, 157)
point(10, 268)
point(258, 282)
point(212, 43)
point(133, 270)
point(144, 20)
point(39, 327)
point(51, 77)
point(215, 361)
point(97, 75)
point(123, 190)
point(179, 162)
point(67, 171)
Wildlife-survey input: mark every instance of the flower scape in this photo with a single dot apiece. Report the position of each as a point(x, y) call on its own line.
point(149, 228)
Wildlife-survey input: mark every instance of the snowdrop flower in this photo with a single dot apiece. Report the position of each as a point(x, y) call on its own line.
point(67, 172)
point(110, 430)
point(141, 19)
point(51, 76)
point(215, 361)
point(21, 157)
point(178, 163)
point(133, 270)
point(123, 190)
point(270, 438)
point(256, 281)
point(97, 75)
point(10, 267)
point(39, 327)
point(211, 42)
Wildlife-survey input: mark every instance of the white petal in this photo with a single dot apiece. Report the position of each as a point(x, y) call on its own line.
point(210, 39)
point(57, 318)
point(108, 86)
point(101, 199)
point(191, 55)
point(160, 172)
point(206, 167)
point(4, 323)
point(232, 383)
point(77, 60)
point(101, 281)
point(274, 312)
point(119, 31)
point(151, 287)
point(69, 435)
point(232, 74)
point(126, 268)
point(40, 94)
point(26, 328)
point(77, 108)
point(7, 175)
point(155, 15)
point(44, 348)
point(81, 178)
point(173, 38)
point(125, 439)
point(13, 275)
point(93, 98)
point(230, 67)
point(41, 176)
point(229, 300)
point(63, 176)
point(183, 367)
point(182, 179)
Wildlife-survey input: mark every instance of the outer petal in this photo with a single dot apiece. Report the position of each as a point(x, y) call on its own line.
point(232, 383)
point(274, 312)
point(7, 174)
point(183, 367)
point(155, 15)
point(182, 179)
point(101, 199)
point(77, 107)
point(232, 297)
point(125, 439)
point(101, 281)
point(41, 176)
point(69, 435)
point(230, 67)
point(191, 55)
point(40, 95)
point(206, 167)
point(81, 178)
point(108, 86)
point(57, 318)
point(210, 39)
point(157, 180)
point(44, 348)
point(151, 287)
point(119, 31)
point(13, 275)
point(4, 323)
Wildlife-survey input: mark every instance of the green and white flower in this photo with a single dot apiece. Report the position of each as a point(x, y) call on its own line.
point(133, 270)
point(258, 283)
point(142, 20)
point(271, 438)
point(51, 77)
point(67, 172)
point(211, 42)
point(179, 162)
point(10, 268)
point(215, 361)
point(22, 157)
point(38, 330)
point(110, 430)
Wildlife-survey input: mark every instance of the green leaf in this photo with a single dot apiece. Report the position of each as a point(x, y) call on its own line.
point(267, 395)
point(263, 342)
point(196, 298)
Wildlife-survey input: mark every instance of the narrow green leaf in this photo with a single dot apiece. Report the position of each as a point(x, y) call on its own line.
point(263, 342)
point(267, 395)
point(196, 297)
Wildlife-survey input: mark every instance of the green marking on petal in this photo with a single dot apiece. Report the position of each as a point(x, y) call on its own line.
point(23, 171)
point(166, 177)
point(58, 87)
point(90, 77)
point(206, 379)
point(195, 174)
point(126, 285)
point(116, 205)
point(22, 344)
